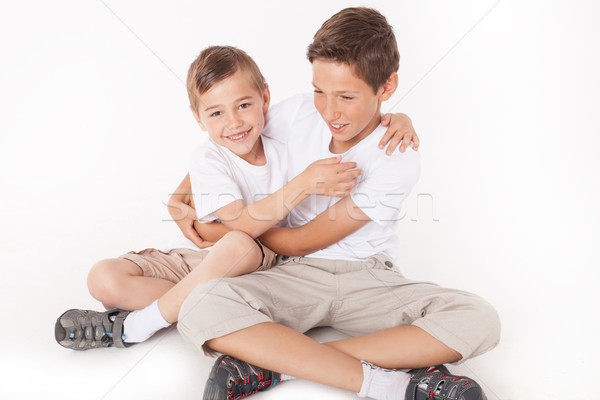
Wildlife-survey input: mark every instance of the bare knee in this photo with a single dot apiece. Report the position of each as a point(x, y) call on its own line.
point(240, 248)
point(105, 279)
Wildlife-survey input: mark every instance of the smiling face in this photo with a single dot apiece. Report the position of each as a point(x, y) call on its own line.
point(233, 112)
point(347, 103)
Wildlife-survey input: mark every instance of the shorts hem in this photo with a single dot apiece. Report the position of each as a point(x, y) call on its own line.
point(140, 262)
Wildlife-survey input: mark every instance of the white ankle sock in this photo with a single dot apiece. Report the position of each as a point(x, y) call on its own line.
point(285, 377)
point(383, 384)
point(141, 324)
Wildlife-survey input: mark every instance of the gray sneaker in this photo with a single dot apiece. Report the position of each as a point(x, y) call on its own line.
point(232, 379)
point(436, 383)
point(86, 329)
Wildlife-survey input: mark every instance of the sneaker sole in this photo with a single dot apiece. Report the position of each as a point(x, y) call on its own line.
point(212, 390)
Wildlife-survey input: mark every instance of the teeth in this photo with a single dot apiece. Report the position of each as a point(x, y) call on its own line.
point(337, 126)
point(238, 137)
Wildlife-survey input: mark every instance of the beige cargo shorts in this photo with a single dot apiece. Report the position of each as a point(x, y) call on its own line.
point(175, 264)
point(353, 297)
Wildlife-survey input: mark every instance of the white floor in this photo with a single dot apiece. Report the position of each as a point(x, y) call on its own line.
point(34, 366)
point(43, 285)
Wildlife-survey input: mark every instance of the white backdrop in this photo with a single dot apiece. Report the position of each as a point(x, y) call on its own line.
point(95, 132)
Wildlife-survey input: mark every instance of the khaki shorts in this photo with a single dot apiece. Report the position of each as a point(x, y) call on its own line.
point(353, 297)
point(174, 265)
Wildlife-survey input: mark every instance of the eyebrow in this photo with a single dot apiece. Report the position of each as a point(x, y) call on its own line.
point(235, 101)
point(339, 91)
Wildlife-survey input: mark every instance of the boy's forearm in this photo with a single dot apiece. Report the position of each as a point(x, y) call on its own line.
point(299, 241)
point(183, 194)
point(284, 241)
point(210, 231)
point(256, 218)
point(329, 227)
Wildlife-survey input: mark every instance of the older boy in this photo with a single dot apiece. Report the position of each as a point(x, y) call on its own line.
point(340, 273)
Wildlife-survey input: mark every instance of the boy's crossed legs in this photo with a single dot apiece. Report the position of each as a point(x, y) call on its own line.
point(278, 348)
point(446, 325)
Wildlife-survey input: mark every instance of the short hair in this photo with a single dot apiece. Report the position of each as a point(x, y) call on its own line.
point(216, 63)
point(361, 38)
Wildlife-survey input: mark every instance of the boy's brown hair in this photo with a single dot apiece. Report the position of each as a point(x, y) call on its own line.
point(361, 38)
point(216, 63)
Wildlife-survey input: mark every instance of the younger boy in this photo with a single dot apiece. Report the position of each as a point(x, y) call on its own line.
point(342, 274)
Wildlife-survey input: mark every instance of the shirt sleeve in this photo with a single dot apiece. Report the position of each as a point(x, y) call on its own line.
point(213, 184)
point(385, 185)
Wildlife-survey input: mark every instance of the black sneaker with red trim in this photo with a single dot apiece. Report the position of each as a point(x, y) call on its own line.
point(232, 379)
point(437, 383)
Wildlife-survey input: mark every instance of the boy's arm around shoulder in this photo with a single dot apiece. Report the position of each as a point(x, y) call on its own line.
point(400, 131)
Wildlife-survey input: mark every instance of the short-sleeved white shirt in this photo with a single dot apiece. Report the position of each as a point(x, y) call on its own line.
point(385, 183)
point(219, 177)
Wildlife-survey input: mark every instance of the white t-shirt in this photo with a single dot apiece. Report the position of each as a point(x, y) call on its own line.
point(385, 183)
point(219, 177)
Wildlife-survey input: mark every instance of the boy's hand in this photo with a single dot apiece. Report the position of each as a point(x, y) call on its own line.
point(400, 129)
point(182, 210)
point(330, 177)
point(184, 216)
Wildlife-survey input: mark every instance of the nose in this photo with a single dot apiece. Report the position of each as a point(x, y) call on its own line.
point(232, 121)
point(331, 112)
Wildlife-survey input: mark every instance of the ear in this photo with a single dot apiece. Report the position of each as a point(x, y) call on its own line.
point(389, 87)
point(266, 99)
point(197, 118)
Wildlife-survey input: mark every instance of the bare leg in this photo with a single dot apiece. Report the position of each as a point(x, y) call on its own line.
point(233, 255)
point(400, 347)
point(119, 283)
point(284, 350)
point(335, 364)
